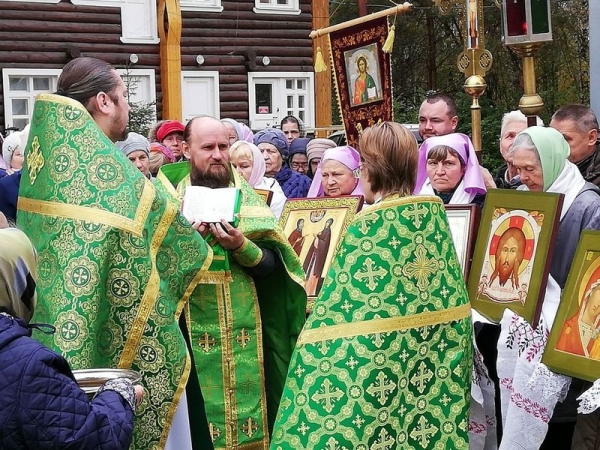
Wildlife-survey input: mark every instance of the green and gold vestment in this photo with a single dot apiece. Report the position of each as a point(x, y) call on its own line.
point(117, 262)
point(242, 329)
point(384, 360)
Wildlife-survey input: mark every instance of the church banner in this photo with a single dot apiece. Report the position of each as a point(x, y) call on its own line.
point(362, 75)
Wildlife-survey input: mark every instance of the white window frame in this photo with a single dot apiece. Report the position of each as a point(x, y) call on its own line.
point(273, 8)
point(142, 73)
point(214, 74)
point(9, 95)
point(280, 100)
point(201, 5)
point(131, 34)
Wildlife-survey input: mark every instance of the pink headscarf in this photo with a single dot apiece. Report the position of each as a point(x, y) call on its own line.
point(259, 166)
point(472, 179)
point(159, 148)
point(247, 134)
point(348, 157)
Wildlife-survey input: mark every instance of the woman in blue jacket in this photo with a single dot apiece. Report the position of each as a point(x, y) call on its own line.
point(42, 406)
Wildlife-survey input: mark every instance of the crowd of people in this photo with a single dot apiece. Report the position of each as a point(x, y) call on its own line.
point(213, 316)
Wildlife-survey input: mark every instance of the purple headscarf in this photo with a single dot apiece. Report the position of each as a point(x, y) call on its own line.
point(348, 157)
point(472, 179)
point(274, 137)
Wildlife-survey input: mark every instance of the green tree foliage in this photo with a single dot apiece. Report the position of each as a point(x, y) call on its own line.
point(428, 43)
point(142, 114)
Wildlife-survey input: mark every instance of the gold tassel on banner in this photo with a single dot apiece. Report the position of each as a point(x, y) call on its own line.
point(320, 65)
point(389, 42)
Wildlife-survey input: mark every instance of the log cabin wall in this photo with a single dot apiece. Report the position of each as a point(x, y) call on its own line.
point(48, 35)
point(38, 36)
point(226, 38)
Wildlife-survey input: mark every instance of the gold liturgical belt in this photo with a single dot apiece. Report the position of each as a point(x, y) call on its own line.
point(374, 326)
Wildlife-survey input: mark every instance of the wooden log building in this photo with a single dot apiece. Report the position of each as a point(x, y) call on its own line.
point(251, 60)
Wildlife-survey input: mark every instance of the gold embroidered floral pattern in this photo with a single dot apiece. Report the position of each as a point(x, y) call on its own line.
point(366, 371)
point(96, 283)
point(35, 160)
point(81, 276)
point(71, 330)
point(63, 163)
point(421, 268)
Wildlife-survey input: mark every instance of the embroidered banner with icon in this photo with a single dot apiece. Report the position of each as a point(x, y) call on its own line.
point(363, 76)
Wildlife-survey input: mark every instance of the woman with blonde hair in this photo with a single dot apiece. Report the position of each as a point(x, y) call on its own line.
point(247, 159)
point(383, 315)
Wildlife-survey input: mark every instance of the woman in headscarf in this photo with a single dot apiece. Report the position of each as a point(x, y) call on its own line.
point(234, 128)
point(314, 152)
point(541, 162)
point(448, 168)
point(337, 174)
point(540, 157)
point(298, 159)
point(247, 159)
point(42, 404)
point(274, 148)
point(247, 134)
point(159, 156)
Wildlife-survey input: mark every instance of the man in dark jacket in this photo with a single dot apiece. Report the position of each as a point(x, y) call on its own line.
point(579, 125)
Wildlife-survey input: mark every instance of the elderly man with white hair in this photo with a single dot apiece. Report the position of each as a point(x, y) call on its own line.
point(512, 124)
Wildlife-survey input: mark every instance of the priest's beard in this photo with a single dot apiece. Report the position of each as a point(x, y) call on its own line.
point(218, 175)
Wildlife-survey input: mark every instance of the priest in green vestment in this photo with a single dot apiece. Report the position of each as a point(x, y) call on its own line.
point(245, 316)
point(384, 360)
point(116, 260)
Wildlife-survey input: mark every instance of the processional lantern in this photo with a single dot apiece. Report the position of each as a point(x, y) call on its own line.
point(526, 21)
point(526, 25)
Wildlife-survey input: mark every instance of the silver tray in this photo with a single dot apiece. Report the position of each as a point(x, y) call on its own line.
point(90, 380)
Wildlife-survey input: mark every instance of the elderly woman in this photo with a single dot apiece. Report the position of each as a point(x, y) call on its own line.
point(42, 405)
point(539, 156)
point(378, 321)
point(298, 158)
point(337, 174)
point(137, 149)
point(448, 168)
point(314, 152)
point(170, 134)
point(274, 147)
point(159, 156)
point(512, 124)
point(247, 159)
point(234, 129)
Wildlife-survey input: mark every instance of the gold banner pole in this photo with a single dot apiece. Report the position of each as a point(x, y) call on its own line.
point(386, 12)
